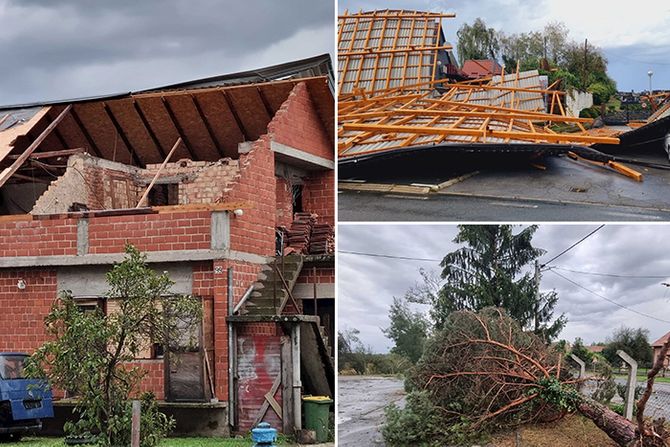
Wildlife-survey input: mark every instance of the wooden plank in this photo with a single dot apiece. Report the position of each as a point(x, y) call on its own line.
point(223, 206)
point(9, 171)
point(52, 154)
point(286, 391)
point(274, 404)
point(178, 127)
point(266, 404)
point(380, 128)
point(158, 173)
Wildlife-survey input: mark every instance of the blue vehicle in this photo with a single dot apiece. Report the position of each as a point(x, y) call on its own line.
point(23, 402)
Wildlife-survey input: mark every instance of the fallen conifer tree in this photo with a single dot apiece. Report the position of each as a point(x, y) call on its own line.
point(483, 372)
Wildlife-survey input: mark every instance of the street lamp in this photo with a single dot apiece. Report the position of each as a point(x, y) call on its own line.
point(650, 74)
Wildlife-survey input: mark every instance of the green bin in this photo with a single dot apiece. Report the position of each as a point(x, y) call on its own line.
point(316, 409)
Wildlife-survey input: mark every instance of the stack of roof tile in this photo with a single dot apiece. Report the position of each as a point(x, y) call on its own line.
point(322, 239)
point(297, 237)
point(307, 236)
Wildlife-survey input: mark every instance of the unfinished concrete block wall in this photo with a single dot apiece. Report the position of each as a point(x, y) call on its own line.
point(199, 181)
point(95, 182)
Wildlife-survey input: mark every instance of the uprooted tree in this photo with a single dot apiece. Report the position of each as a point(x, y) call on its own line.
point(483, 371)
point(90, 353)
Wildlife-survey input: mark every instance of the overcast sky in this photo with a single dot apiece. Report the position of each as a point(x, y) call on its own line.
point(634, 36)
point(367, 285)
point(55, 49)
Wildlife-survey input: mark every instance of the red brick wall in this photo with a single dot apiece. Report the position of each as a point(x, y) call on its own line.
point(284, 202)
point(22, 312)
point(151, 232)
point(297, 124)
point(38, 237)
point(324, 275)
point(318, 195)
point(254, 232)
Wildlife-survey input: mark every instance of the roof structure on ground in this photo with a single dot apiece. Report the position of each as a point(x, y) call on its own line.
point(389, 48)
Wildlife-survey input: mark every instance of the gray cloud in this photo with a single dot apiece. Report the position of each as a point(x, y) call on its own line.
point(366, 284)
point(56, 49)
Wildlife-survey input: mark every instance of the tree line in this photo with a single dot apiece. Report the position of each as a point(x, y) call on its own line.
point(578, 65)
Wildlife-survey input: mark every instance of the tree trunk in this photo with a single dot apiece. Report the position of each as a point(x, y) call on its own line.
point(618, 428)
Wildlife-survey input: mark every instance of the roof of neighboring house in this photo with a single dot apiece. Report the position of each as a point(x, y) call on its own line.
point(661, 341)
point(595, 348)
point(479, 68)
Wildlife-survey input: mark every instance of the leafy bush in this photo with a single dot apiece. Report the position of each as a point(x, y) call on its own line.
point(419, 424)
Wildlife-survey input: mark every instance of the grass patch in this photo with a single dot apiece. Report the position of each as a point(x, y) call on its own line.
point(170, 442)
point(643, 378)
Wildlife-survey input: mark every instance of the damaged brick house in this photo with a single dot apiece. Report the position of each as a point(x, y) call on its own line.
point(215, 180)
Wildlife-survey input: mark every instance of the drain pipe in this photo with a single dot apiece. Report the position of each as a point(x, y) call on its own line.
point(231, 353)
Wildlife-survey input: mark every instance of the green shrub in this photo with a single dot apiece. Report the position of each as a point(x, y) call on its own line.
point(419, 424)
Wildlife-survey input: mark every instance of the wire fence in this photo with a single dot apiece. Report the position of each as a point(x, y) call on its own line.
point(658, 405)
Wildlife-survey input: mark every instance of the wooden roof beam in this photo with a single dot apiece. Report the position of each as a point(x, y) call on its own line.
point(374, 51)
point(210, 131)
point(236, 117)
point(386, 128)
point(84, 132)
point(9, 171)
point(418, 15)
point(147, 127)
point(178, 128)
point(119, 130)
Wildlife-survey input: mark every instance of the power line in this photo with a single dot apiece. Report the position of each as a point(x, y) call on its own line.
point(611, 275)
point(572, 246)
point(607, 299)
point(378, 255)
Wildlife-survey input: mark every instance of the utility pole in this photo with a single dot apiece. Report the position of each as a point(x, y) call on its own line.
point(537, 294)
point(586, 49)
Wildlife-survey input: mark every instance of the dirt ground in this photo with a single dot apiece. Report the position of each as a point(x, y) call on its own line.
point(573, 430)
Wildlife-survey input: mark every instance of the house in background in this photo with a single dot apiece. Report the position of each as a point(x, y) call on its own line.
point(481, 68)
point(657, 346)
point(227, 184)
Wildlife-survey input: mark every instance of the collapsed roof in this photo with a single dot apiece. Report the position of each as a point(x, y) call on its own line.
point(211, 116)
point(391, 96)
point(390, 48)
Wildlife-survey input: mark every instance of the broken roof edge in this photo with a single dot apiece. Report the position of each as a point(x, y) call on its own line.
point(282, 71)
point(547, 148)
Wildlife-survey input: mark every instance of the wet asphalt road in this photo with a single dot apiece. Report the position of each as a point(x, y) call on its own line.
point(362, 400)
point(360, 207)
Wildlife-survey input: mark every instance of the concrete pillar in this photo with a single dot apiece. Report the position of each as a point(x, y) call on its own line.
point(297, 384)
point(631, 383)
point(582, 367)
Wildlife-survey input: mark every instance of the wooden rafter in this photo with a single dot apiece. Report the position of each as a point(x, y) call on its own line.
point(11, 170)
